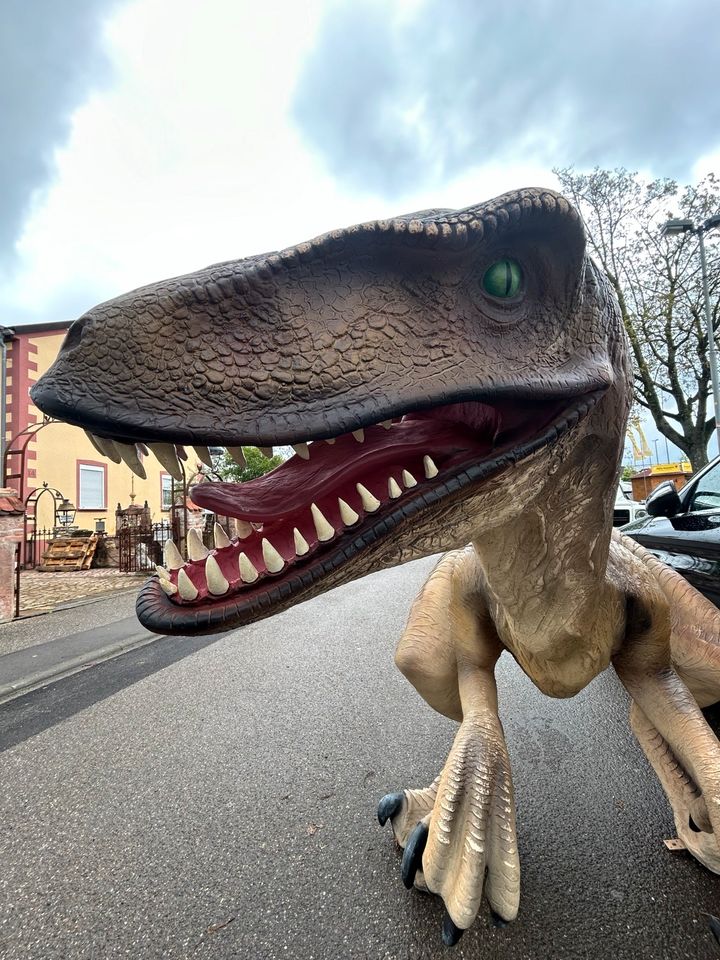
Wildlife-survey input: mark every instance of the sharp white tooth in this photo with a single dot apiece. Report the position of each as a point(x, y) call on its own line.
point(347, 514)
point(165, 453)
point(359, 435)
point(386, 424)
point(322, 528)
point(330, 441)
point(273, 561)
point(236, 454)
point(143, 449)
point(216, 582)
point(248, 573)
point(195, 547)
point(108, 449)
point(185, 586)
point(95, 442)
point(129, 454)
point(181, 452)
point(393, 489)
point(221, 538)
point(168, 587)
point(408, 479)
point(369, 503)
point(302, 450)
point(266, 451)
point(243, 529)
point(173, 557)
point(301, 544)
point(430, 469)
point(203, 455)
point(161, 572)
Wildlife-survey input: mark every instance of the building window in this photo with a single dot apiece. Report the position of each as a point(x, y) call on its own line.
point(165, 491)
point(92, 483)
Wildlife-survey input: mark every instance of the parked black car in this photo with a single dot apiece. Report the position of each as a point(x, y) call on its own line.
point(683, 529)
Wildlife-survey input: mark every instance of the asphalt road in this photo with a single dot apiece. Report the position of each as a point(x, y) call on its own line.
point(216, 798)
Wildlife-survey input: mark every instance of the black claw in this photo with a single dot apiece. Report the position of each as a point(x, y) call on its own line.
point(388, 807)
point(497, 920)
point(450, 933)
point(412, 857)
point(714, 924)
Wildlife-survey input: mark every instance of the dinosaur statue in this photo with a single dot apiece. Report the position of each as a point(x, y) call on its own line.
point(464, 380)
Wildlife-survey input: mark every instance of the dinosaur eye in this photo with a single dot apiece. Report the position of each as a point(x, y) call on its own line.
point(503, 279)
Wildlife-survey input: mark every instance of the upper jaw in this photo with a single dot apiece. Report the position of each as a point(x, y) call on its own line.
point(152, 420)
point(506, 409)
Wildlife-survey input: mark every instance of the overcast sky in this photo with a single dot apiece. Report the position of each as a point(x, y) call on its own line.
point(146, 138)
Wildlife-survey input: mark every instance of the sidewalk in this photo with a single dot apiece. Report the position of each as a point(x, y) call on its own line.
point(38, 650)
point(41, 592)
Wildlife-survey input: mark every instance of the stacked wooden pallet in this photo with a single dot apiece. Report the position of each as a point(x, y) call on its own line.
point(69, 553)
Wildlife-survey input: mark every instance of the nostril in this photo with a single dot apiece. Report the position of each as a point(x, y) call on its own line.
point(693, 826)
point(74, 335)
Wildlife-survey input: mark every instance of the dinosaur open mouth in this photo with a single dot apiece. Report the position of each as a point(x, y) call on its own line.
point(332, 500)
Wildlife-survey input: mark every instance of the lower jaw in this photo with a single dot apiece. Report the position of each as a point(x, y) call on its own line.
point(352, 552)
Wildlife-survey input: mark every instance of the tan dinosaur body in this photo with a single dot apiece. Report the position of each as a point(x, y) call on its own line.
point(468, 372)
point(449, 651)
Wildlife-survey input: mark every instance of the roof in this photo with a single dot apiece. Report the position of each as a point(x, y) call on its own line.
point(10, 503)
point(40, 327)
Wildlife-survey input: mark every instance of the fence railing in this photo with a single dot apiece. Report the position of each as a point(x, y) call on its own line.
point(140, 548)
point(34, 547)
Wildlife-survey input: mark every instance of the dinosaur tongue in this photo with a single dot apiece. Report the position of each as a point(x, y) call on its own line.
point(336, 468)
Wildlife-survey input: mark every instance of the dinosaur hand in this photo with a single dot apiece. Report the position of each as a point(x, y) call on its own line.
point(406, 809)
point(472, 828)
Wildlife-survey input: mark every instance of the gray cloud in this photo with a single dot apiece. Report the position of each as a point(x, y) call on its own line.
point(394, 100)
point(50, 58)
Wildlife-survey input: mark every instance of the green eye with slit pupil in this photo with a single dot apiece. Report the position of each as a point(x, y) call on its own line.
point(502, 279)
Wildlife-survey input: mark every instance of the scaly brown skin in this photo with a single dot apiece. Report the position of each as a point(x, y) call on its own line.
point(392, 320)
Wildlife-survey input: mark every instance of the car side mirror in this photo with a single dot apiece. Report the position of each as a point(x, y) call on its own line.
point(663, 501)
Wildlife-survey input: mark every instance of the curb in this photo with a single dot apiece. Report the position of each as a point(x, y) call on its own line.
point(59, 671)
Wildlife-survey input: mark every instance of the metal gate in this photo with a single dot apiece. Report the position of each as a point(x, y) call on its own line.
point(34, 546)
point(140, 548)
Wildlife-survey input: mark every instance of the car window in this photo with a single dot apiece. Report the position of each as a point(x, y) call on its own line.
point(707, 494)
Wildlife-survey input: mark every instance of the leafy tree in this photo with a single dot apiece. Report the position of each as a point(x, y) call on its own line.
point(658, 284)
point(257, 464)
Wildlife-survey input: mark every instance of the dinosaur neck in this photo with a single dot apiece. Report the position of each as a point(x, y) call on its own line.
point(545, 568)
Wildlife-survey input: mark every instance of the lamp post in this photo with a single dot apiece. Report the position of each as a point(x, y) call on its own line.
point(672, 228)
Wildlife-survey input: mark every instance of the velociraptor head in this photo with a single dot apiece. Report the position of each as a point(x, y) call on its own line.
point(422, 355)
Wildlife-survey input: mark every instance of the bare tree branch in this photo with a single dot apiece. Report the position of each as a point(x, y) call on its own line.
point(658, 284)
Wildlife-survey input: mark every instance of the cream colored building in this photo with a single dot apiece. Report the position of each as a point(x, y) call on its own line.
point(61, 455)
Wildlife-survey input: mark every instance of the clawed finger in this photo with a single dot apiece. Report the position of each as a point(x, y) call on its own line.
point(412, 857)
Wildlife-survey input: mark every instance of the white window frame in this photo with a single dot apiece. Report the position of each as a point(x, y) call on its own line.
point(83, 495)
point(165, 478)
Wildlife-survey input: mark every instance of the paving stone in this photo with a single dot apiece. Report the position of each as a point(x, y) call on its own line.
point(46, 591)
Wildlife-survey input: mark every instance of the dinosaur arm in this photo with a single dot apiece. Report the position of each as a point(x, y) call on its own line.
point(459, 834)
point(669, 723)
point(449, 647)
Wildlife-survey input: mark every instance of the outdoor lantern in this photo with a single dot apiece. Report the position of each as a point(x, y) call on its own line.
point(66, 512)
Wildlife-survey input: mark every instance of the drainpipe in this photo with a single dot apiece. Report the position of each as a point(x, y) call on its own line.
point(7, 334)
